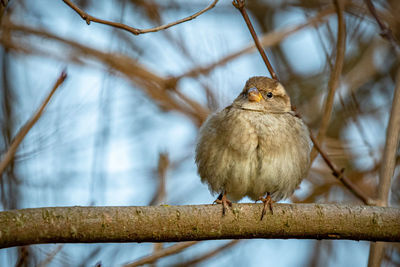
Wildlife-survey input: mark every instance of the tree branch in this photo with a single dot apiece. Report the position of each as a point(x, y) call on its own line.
point(339, 174)
point(88, 18)
point(161, 254)
point(201, 222)
point(387, 168)
point(334, 77)
point(239, 4)
point(386, 32)
point(3, 7)
point(9, 155)
point(196, 260)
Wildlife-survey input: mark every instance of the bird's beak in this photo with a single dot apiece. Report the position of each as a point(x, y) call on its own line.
point(254, 95)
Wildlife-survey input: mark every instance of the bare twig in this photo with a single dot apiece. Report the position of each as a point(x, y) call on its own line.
point(208, 255)
point(50, 256)
point(23, 256)
point(387, 168)
point(335, 75)
point(9, 155)
point(339, 174)
point(162, 253)
point(88, 18)
point(3, 7)
point(239, 4)
point(386, 32)
point(356, 121)
point(162, 168)
point(160, 194)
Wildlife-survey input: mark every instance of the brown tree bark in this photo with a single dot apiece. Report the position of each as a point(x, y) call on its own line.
point(202, 222)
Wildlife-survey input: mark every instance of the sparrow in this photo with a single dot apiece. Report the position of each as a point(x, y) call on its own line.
point(255, 147)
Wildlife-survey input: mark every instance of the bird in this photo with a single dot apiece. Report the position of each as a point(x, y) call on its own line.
point(256, 147)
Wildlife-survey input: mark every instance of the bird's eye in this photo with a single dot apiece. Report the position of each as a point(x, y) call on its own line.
point(269, 95)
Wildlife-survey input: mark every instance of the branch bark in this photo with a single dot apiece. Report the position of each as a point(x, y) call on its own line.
point(202, 222)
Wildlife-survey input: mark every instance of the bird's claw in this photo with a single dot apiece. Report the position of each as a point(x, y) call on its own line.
point(267, 202)
point(224, 201)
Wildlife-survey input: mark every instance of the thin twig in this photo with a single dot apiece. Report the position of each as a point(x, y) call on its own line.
point(3, 7)
point(335, 76)
point(387, 168)
point(207, 255)
point(162, 168)
point(239, 4)
point(386, 32)
point(162, 253)
point(50, 256)
point(9, 155)
point(23, 255)
point(88, 18)
point(339, 174)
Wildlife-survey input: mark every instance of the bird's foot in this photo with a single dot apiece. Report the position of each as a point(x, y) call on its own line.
point(267, 202)
point(222, 199)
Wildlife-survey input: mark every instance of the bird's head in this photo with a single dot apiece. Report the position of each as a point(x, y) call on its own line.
point(263, 94)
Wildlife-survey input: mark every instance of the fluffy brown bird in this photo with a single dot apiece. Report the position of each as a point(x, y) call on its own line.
point(255, 147)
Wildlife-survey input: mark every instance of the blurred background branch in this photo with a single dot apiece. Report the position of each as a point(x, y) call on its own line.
point(9, 155)
point(174, 249)
point(335, 75)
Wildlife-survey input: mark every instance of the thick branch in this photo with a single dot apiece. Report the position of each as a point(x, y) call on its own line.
point(202, 222)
